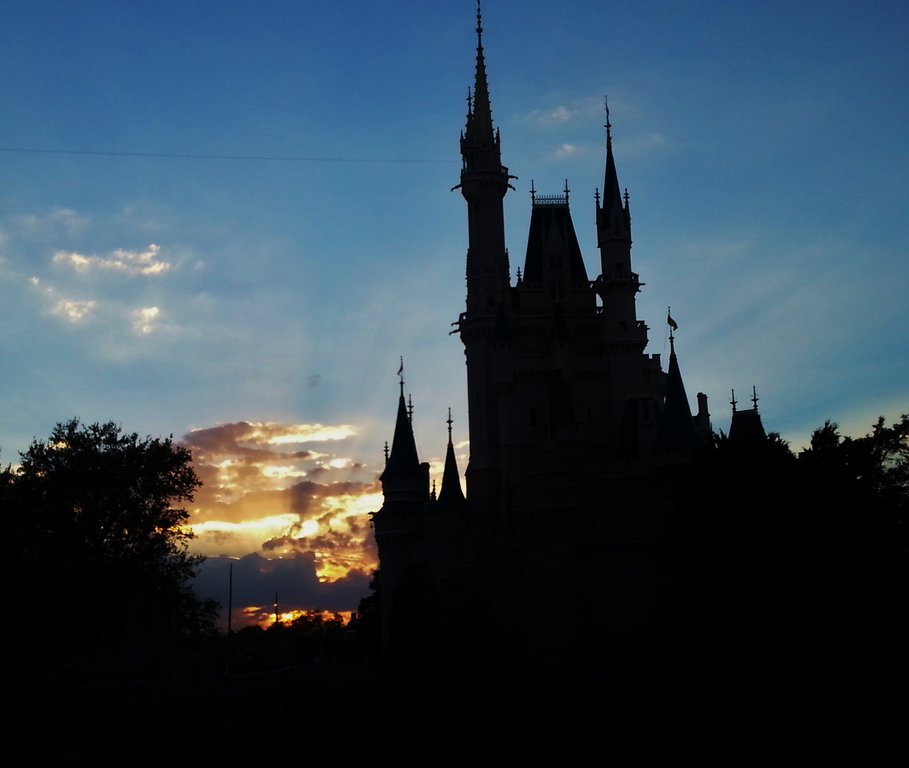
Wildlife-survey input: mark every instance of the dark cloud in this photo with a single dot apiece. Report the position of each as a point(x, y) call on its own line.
point(257, 579)
point(303, 493)
point(240, 439)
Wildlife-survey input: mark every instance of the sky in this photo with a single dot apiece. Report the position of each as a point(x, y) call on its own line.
point(229, 221)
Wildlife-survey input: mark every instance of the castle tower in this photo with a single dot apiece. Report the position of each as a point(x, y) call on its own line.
point(483, 184)
point(746, 427)
point(557, 386)
point(678, 431)
point(398, 525)
point(572, 426)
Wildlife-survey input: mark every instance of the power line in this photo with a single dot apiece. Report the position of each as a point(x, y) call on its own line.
point(190, 156)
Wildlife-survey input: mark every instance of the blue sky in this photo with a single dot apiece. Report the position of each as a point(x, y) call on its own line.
point(240, 213)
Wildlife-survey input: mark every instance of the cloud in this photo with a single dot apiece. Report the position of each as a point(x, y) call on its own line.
point(261, 492)
point(558, 115)
point(73, 311)
point(144, 320)
point(637, 145)
point(59, 221)
point(566, 150)
point(243, 434)
point(251, 583)
point(131, 263)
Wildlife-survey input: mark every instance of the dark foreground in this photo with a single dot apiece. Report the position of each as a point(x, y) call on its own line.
point(354, 714)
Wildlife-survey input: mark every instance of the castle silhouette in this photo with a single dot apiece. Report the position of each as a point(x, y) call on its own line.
point(577, 437)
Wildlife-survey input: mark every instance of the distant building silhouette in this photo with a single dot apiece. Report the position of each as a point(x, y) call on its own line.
point(576, 436)
point(746, 427)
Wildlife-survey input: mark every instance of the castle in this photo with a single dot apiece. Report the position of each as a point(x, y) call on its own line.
point(576, 436)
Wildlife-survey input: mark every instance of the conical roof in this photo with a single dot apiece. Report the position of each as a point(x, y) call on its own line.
point(403, 463)
point(451, 496)
point(677, 428)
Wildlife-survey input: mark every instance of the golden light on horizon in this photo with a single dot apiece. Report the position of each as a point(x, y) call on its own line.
point(308, 528)
point(274, 434)
point(347, 505)
point(264, 616)
point(282, 472)
point(263, 525)
point(330, 570)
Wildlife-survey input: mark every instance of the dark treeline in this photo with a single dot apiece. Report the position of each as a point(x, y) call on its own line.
point(790, 587)
point(792, 581)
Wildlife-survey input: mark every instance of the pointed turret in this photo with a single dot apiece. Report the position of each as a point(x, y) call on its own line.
point(451, 496)
point(484, 182)
point(485, 323)
point(613, 211)
point(480, 145)
point(399, 523)
point(403, 476)
point(678, 431)
point(617, 285)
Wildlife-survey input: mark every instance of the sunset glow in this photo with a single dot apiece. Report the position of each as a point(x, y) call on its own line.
point(305, 513)
point(275, 434)
point(262, 527)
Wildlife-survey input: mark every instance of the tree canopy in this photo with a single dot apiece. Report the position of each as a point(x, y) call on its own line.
point(99, 568)
point(792, 571)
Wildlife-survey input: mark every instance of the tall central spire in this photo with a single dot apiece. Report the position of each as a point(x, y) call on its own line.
point(480, 134)
point(612, 195)
point(484, 182)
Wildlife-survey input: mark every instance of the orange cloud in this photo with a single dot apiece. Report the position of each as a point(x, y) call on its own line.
point(262, 492)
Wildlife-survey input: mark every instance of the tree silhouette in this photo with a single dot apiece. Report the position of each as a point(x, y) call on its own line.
point(790, 567)
point(100, 553)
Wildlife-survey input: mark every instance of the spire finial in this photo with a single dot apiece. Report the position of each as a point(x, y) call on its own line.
point(608, 125)
point(733, 401)
point(386, 452)
point(480, 131)
point(401, 375)
point(566, 190)
point(754, 397)
point(449, 424)
point(533, 193)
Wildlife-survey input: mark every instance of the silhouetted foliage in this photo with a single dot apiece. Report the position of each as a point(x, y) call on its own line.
point(792, 574)
point(309, 639)
point(99, 554)
point(363, 628)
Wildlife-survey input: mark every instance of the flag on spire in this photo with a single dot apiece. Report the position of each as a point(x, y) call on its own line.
point(672, 323)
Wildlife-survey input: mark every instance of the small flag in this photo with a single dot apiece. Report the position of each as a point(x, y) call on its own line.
point(401, 369)
point(672, 323)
